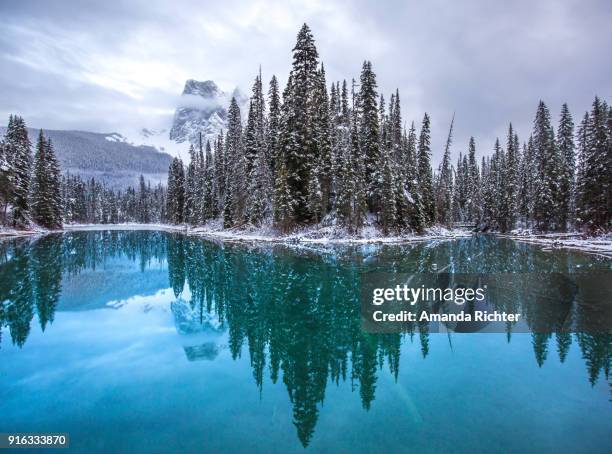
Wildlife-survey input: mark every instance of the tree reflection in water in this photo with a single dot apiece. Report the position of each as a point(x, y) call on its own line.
point(297, 311)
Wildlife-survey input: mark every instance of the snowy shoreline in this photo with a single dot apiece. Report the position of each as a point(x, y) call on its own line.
point(601, 245)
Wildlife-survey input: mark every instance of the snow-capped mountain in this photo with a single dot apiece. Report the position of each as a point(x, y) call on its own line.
point(203, 109)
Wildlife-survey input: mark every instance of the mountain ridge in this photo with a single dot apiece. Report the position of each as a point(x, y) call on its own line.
point(108, 157)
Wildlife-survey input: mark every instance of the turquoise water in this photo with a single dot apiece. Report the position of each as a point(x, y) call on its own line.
point(157, 342)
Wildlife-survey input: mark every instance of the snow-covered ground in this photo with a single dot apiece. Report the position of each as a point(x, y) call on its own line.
point(572, 240)
point(321, 235)
point(10, 232)
point(331, 235)
point(126, 226)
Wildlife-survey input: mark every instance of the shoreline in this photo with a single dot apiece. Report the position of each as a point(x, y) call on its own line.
point(573, 240)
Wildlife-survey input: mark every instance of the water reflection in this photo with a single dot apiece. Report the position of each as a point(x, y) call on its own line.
point(296, 311)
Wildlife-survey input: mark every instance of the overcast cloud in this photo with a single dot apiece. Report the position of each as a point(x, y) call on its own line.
point(112, 65)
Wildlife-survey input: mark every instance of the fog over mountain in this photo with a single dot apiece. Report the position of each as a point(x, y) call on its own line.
point(202, 109)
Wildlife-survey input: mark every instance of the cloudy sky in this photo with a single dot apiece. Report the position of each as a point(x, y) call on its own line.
point(119, 65)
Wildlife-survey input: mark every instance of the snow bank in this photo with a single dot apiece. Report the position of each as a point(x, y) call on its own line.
point(331, 234)
point(6, 232)
point(601, 245)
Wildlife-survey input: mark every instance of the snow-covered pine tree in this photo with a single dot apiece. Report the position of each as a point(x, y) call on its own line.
point(491, 188)
point(565, 142)
point(527, 184)
point(410, 169)
point(175, 203)
point(595, 180)
point(273, 128)
point(40, 206)
point(19, 157)
point(508, 184)
point(143, 203)
point(296, 134)
point(344, 177)
point(359, 197)
point(5, 181)
point(208, 179)
point(403, 200)
point(251, 149)
point(459, 208)
point(369, 140)
point(255, 133)
point(283, 198)
point(388, 213)
point(259, 204)
point(444, 189)
point(322, 141)
point(234, 207)
point(424, 176)
point(474, 200)
point(220, 176)
point(546, 158)
point(191, 211)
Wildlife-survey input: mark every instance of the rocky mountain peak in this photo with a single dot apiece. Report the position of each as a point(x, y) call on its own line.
point(203, 109)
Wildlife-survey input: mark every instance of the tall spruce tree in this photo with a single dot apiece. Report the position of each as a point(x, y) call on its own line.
point(273, 129)
point(220, 180)
point(474, 200)
point(175, 204)
point(45, 197)
point(594, 176)
point(509, 174)
point(191, 197)
point(565, 141)
point(547, 170)
point(234, 209)
point(208, 181)
point(425, 178)
point(19, 160)
point(369, 140)
point(444, 189)
point(296, 135)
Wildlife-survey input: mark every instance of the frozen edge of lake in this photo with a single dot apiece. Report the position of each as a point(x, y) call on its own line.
point(576, 241)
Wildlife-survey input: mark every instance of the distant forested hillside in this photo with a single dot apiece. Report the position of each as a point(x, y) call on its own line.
point(106, 157)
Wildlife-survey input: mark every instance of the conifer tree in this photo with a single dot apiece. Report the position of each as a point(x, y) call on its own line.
point(411, 179)
point(208, 179)
point(283, 200)
point(175, 204)
point(191, 211)
point(321, 172)
point(444, 189)
point(474, 200)
point(547, 170)
point(594, 176)
point(369, 140)
point(259, 203)
point(509, 183)
point(220, 179)
point(234, 204)
point(425, 175)
point(45, 198)
point(565, 141)
point(273, 130)
point(527, 184)
point(403, 201)
point(19, 159)
point(296, 135)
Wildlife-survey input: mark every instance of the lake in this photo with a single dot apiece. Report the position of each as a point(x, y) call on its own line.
point(154, 342)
